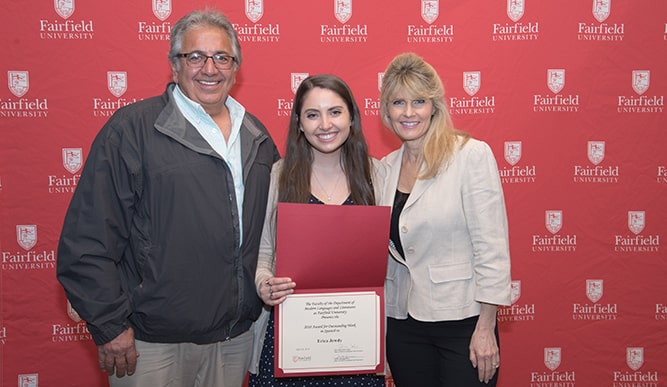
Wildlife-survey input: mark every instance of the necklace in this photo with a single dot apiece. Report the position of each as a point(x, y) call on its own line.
point(329, 195)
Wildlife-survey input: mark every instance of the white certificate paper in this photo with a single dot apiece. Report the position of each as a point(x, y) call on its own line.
point(330, 333)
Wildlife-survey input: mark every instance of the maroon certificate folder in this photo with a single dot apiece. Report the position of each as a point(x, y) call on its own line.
point(334, 321)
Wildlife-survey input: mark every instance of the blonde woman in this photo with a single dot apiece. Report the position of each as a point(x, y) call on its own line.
point(449, 264)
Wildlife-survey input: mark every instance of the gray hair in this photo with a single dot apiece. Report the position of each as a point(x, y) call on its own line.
point(197, 19)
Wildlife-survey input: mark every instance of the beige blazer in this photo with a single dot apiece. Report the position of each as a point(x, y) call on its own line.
point(454, 234)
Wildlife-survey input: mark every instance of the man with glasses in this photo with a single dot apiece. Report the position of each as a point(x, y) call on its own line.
point(159, 245)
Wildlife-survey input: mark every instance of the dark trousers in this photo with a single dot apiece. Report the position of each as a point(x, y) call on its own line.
point(432, 354)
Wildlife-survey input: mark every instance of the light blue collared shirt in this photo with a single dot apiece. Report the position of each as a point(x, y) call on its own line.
point(230, 151)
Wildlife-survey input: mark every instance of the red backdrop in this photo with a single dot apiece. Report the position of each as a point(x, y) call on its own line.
point(568, 93)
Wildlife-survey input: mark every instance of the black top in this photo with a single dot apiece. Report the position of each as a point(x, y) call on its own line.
point(394, 236)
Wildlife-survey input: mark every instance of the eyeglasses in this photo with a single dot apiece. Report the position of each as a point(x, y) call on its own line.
point(197, 59)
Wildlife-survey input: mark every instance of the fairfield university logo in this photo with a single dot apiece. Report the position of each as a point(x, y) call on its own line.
point(28, 259)
point(553, 220)
point(595, 311)
point(430, 33)
point(638, 242)
point(594, 289)
point(29, 380)
point(285, 104)
point(343, 33)
point(517, 30)
point(635, 359)
point(430, 10)
point(67, 333)
point(343, 10)
point(641, 81)
point(18, 83)
point(117, 85)
point(600, 31)
point(512, 152)
point(515, 9)
point(472, 82)
point(255, 32)
point(161, 9)
point(67, 29)
point(72, 159)
point(254, 10)
point(557, 243)
point(596, 151)
point(514, 173)
point(556, 80)
point(64, 8)
point(601, 9)
point(26, 236)
point(555, 102)
point(66, 183)
point(516, 312)
point(151, 30)
point(597, 173)
point(553, 357)
point(117, 82)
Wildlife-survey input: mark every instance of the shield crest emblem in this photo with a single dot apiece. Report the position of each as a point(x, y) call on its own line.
point(72, 159)
point(472, 81)
point(28, 380)
point(64, 8)
point(162, 9)
point(18, 82)
point(554, 220)
point(430, 10)
point(636, 221)
point(552, 358)
point(596, 151)
point(254, 10)
point(26, 235)
point(515, 9)
point(297, 78)
point(601, 9)
point(343, 10)
point(556, 80)
point(117, 82)
point(512, 152)
point(641, 79)
point(515, 291)
point(634, 357)
point(594, 290)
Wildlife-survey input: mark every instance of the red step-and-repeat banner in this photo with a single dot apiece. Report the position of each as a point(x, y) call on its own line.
point(570, 94)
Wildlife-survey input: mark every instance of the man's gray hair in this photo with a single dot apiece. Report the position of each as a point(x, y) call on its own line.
point(197, 19)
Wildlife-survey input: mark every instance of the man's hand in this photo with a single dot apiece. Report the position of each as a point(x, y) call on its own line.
point(119, 354)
